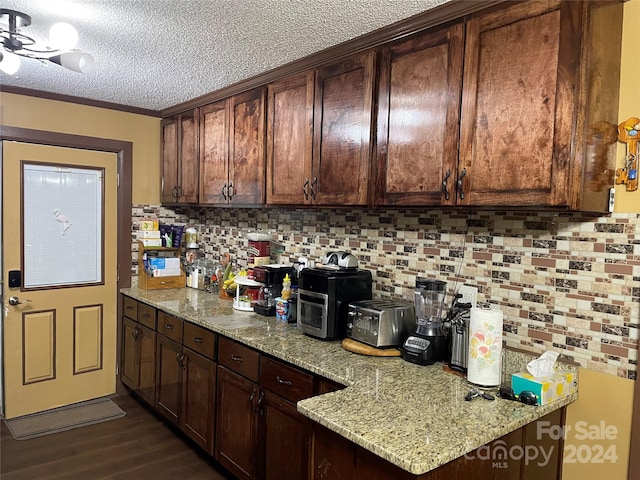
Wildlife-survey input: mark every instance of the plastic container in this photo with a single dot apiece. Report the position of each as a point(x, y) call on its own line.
point(191, 237)
point(286, 287)
point(282, 310)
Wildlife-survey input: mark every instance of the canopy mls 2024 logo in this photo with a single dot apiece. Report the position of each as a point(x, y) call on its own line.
point(597, 446)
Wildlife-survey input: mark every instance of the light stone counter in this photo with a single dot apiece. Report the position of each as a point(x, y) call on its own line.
point(413, 416)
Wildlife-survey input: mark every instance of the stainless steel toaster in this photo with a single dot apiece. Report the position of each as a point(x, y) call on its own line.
point(380, 323)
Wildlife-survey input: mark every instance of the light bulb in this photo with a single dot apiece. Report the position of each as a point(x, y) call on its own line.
point(63, 36)
point(77, 61)
point(9, 63)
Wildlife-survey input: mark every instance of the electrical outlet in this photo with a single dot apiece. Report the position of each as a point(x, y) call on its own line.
point(469, 295)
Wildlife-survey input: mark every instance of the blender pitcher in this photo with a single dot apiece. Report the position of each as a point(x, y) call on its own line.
point(429, 304)
point(428, 344)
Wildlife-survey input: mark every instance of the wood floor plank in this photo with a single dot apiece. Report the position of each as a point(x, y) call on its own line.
point(135, 447)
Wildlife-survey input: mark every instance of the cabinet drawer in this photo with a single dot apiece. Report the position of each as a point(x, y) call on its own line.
point(170, 327)
point(284, 380)
point(147, 316)
point(130, 308)
point(200, 340)
point(239, 358)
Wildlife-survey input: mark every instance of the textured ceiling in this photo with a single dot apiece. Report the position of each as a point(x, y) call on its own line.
point(155, 54)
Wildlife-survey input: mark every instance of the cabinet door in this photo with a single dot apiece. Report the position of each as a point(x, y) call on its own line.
point(289, 139)
point(286, 440)
point(169, 378)
point(130, 374)
point(170, 179)
point(518, 103)
point(333, 456)
point(246, 148)
point(237, 440)
point(342, 131)
point(418, 119)
point(214, 152)
point(198, 399)
point(147, 364)
point(189, 166)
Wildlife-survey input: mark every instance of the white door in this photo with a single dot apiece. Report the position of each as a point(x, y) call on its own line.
point(60, 276)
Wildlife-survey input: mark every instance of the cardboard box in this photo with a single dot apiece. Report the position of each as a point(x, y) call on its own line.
point(148, 234)
point(548, 388)
point(151, 242)
point(166, 272)
point(148, 225)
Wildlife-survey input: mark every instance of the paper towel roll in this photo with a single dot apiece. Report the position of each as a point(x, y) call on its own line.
point(485, 347)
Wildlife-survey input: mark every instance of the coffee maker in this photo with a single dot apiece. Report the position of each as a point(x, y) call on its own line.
point(271, 277)
point(429, 343)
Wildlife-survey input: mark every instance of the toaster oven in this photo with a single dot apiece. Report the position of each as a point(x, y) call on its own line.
point(381, 323)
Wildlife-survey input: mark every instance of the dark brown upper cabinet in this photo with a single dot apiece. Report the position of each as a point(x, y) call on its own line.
point(290, 139)
point(538, 83)
point(342, 131)
point(418, 119)
point(232, 140)
point(533, 79)
point(319, 134)
point(180, 158)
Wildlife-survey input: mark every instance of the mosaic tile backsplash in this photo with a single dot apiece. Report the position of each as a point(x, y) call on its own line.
point(565, 281)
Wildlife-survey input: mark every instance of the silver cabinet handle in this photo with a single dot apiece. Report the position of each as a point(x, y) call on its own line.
point(281, 381)
point(460, 183)
point(13, 301)
point(237, 358)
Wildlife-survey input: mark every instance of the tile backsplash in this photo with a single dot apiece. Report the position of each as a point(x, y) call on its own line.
point(565, 281)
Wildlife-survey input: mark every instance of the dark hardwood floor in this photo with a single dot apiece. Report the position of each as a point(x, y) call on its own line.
point(138, 446)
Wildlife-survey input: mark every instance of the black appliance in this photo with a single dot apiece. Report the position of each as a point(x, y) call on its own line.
point(429, 343)
point(271, 276)
point(323, 299)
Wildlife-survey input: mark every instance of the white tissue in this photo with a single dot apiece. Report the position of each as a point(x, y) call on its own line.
point(543, 365)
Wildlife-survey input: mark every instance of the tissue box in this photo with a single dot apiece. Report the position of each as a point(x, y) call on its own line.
point(161, 263)
point(148, 234)
point(151, 242)
point(148, 225)
point(548, 388)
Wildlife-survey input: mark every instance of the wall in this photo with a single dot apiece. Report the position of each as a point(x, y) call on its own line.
point(54, 116)
point(566, 282)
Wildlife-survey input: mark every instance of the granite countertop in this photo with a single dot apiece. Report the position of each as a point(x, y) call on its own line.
point(413, 416)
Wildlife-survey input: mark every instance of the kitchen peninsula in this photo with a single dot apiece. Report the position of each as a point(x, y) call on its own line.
point(413, 417)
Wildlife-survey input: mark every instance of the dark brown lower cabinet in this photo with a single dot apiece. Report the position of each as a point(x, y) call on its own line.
point(129, 371)
point(186, 391)
point(198, 399)
point(337, 458)
point(168, 379)
point(237, 420)
point(287, 438)
point(138, 359)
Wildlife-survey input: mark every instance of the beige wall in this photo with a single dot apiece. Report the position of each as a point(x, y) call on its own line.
point(629, 95)
point(55, 116)
point(607, 400)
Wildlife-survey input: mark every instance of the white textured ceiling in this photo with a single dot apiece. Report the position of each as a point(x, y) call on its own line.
point(155, 54)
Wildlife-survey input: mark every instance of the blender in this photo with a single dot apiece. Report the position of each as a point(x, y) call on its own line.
point(429, 343)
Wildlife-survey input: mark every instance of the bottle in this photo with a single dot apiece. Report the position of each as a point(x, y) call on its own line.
point(286, 287)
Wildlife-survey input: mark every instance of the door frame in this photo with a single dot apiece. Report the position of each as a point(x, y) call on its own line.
point(124, 152)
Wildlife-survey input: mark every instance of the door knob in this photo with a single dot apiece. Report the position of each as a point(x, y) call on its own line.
point(13, 301)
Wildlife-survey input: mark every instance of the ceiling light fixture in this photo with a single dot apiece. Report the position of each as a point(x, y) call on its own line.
point(16, 44)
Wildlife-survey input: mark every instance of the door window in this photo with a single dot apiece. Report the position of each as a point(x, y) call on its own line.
point(62, 225)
